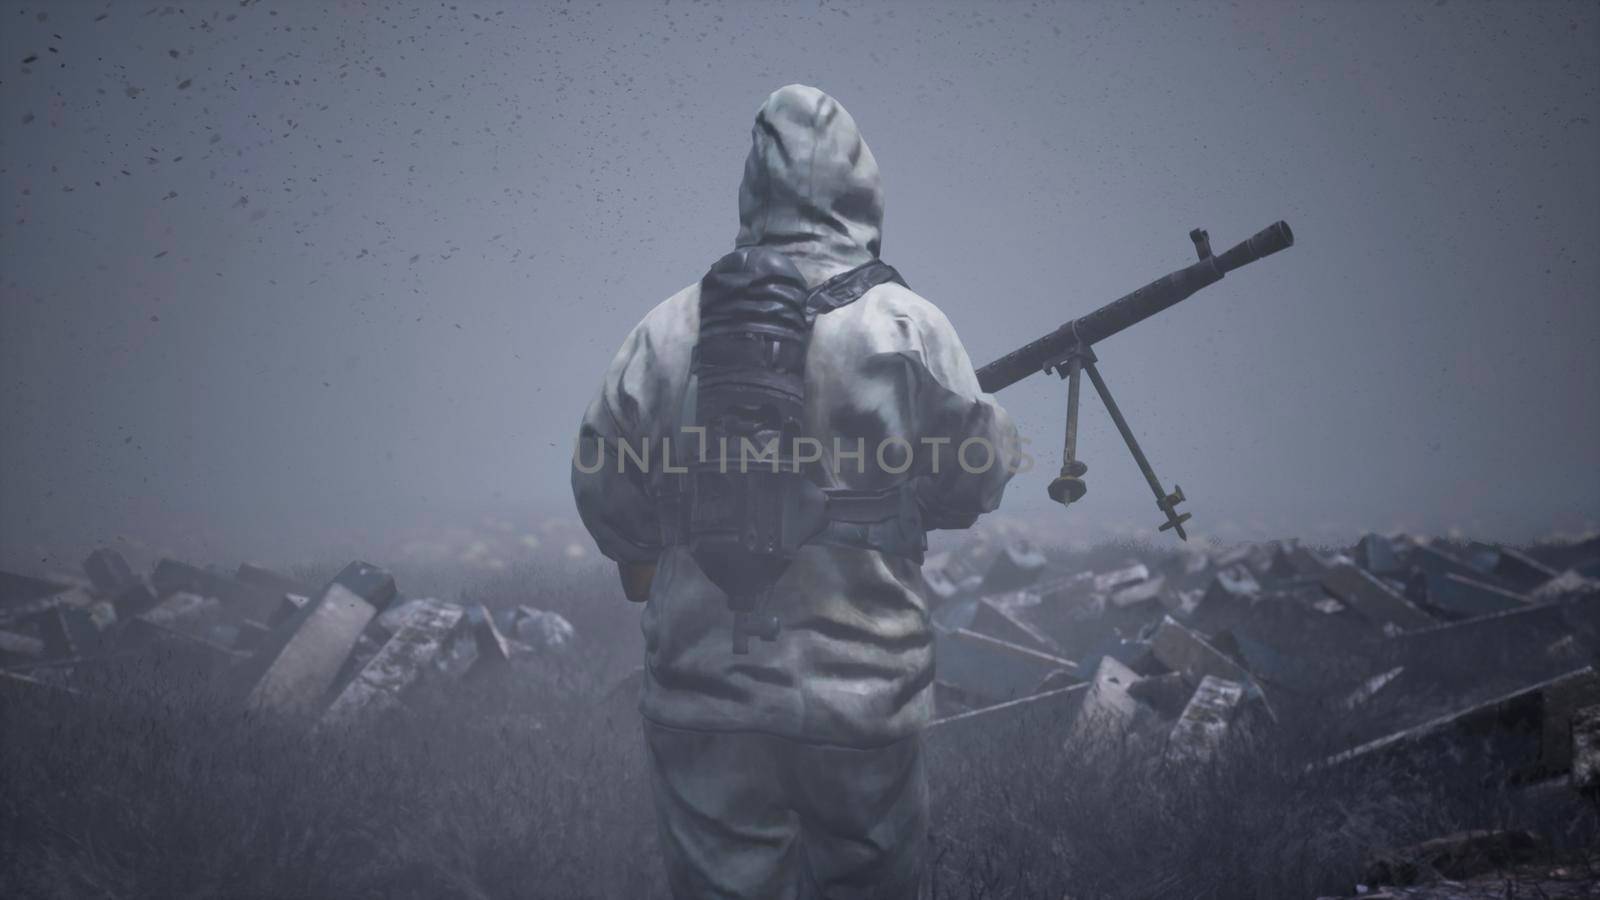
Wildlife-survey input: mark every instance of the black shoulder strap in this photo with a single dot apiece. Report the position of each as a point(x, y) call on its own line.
point(846, 288)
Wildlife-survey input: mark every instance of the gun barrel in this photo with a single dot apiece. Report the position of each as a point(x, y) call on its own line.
point(1131, 309)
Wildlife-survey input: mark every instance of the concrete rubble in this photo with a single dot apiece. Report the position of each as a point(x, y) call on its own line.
point(1398, 647)
point(339, 654)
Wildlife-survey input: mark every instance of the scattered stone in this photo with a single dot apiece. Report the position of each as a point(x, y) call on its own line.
point(996, 618)
point(1569, 585)
point(1186, 652)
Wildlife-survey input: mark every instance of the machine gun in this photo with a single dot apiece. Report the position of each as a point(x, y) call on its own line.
point(1068, 352)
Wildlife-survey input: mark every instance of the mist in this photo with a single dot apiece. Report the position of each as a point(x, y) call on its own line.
point(283, 275)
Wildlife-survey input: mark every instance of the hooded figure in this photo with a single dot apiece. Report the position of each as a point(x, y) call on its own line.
point(798, 768)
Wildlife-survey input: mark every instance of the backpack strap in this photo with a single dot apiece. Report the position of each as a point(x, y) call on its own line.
point(846, 288)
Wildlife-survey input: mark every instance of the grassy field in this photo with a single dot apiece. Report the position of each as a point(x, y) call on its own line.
point(533, 785)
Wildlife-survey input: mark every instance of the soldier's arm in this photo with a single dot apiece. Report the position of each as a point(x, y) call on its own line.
point(613, 500)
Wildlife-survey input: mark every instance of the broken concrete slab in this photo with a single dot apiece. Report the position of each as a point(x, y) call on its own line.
point(1476, 632)
point(1131, 574)
point(16, 589)
point(1373, 599)
point(1457, 597)
point(994, 617)
point(1048, 708)
point(1586, 749)
point(1569, 585)
point(1230, 590)
point(1204, 723)
point(1146, 593)
point(404, 660)
point(287, 607)
point(1108, 708)
point(263, 577)
point(1512, 566)
point(989, 668)
point(1014, 567)
point(158, 641)
point(108, 571)
point(494, 651)
point(318, 638)
point(19, 648)
point(1167, 693)
point(1370, 687)
point(1455, 856)
point(134, 599)
point(171, 577)
point(542, 629)
point(1543, 712)
point(178, 607)
point(1188, 653)
point(1378, 554)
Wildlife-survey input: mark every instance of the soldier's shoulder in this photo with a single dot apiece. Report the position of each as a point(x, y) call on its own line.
point(898, 301)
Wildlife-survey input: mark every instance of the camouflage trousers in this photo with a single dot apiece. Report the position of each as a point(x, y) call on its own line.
point(745, 815)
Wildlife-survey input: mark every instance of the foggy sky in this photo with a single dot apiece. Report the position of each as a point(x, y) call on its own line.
point(285, 270)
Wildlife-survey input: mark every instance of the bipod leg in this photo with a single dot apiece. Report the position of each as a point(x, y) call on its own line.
point(1166, 502)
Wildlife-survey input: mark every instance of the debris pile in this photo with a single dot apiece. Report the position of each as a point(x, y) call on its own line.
point(1398, 649)
point(334, 655)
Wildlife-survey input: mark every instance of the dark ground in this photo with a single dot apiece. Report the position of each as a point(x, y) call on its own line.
point(532, 784)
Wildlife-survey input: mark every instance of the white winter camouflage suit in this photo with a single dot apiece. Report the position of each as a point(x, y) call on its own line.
point(796, 770)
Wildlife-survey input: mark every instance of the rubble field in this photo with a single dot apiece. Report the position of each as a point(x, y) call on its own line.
point(1399, 718)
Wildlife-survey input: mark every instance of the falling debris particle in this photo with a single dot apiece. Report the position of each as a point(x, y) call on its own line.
point(184, 84)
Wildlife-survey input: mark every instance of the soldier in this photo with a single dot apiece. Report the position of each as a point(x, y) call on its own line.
point(796, 770)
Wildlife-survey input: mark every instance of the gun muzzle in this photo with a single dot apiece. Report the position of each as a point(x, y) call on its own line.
point(1265, 242)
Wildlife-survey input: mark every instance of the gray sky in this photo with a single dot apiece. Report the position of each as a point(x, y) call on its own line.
point(287, 270)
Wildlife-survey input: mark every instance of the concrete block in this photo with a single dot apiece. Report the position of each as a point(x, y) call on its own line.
point(262, 577)
point(1204, 723)
point(108, 571)
point(301, 668)
point(171, 577)
point(1108, 707)
point(1186, 652)
point(1144, 594)
point(19, 648)
point(16, 590)
point(1377, 554)
point(1373, 599)
point(1016, 566)
point(403, 661)
point(134, 599)
point(494, 651)
point(1586, 749)
point(1131, 574)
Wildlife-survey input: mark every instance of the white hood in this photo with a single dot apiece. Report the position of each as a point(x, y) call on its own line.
point(810, 185)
